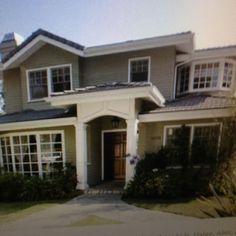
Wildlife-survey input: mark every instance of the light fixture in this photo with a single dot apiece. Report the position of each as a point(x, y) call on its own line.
point(115, 122)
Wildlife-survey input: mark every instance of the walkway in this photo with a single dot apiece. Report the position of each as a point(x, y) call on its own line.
point(115, 218)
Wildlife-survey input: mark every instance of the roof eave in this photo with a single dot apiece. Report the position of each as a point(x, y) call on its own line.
point(184, 42)
point(149, 92)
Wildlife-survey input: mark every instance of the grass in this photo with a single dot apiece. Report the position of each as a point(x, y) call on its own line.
point(94, 220)
point(186, 207)
point(18, 210)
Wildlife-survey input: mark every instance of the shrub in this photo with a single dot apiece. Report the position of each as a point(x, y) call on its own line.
point(61, 184)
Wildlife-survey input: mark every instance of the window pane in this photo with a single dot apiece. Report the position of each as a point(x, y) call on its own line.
point(183, 79)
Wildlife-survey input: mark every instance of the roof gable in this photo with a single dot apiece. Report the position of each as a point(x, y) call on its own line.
point(36, 41)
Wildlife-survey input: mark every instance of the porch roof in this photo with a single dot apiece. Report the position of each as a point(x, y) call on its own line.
point(32, 115)
point(196, 102)
point(108, 92)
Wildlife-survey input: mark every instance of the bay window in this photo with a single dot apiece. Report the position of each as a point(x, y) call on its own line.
point(212, 75)
point(32, 153)
point(44, 81)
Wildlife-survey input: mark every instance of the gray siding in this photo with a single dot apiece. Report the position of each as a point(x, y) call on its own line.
point(109, 68)
point(47, 56)
point(12, 91)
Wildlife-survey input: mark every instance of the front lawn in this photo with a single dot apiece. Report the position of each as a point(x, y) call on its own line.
point(187, 207)
point(18, 210)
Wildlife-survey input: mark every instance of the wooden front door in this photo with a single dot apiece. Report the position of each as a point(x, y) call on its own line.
point(114, 155)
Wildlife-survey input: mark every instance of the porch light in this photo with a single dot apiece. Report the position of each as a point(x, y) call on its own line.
point(115, 122)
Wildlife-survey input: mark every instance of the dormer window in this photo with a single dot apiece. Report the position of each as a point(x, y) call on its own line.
point(44, 81)
point(139, 69)
point(203, 76)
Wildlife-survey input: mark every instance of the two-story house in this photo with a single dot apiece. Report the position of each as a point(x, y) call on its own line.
point(92, 106)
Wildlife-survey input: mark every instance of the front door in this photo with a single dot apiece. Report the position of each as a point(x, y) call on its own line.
point(114, 155)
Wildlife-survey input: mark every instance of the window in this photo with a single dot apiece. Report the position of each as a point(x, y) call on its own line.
point(43, 82)
point(206, 75)
point(60, 79)
point(32, 154)
point(205, 143)
point(203, 139)
point(139, 69)
point(38, 84)
point(183, 79)
point(228, 75)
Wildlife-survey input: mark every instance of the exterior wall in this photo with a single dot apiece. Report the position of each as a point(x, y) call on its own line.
point(110, 68)
point(151, 135)
point(47, 56)
point(12, 91)
point(69, 135)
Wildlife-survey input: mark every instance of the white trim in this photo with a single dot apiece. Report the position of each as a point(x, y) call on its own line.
point(102, 143)
point(150, 92)
point(33, 46)
point(192, 126)
point(138, 59)
point(186, 115)
point(220, 77)
point(38, 124)
point(49, 80)
point(182, 41)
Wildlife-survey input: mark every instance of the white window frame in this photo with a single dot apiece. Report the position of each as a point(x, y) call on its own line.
point(49, 80)
point(138, 59)
point(192, 126)
point(37, 134)
point(220, 75)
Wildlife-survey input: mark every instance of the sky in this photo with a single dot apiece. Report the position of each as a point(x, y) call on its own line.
point(96, 22)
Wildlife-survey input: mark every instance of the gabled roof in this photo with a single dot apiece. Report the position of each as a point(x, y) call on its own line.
point(196, 102)
point(182, 41)
point(41, 32)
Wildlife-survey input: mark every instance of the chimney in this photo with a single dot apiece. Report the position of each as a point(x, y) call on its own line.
point(10, 42)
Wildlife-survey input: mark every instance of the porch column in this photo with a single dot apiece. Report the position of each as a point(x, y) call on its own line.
point(81, 155)
point(132, 146)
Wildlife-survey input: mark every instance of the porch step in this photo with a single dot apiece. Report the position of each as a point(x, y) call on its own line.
point(107, 188)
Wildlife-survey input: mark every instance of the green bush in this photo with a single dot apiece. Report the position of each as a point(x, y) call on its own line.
point(16, 187)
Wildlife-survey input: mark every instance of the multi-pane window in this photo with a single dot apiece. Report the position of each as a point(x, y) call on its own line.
point(183, 79)
point(206, 75)
point(205, 143)
point(51, 150)
point(6, 154)
point(60, 79)
point(43, 82)
point(139, 70)
point(38, 84)
point(228, 75)
point(203, 140)
point(32, 154)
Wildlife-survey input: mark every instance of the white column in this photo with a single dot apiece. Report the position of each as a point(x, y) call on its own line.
point(132, 146)
point(81, 155)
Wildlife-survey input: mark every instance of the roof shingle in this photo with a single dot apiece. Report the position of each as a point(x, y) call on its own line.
point(196, 102)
